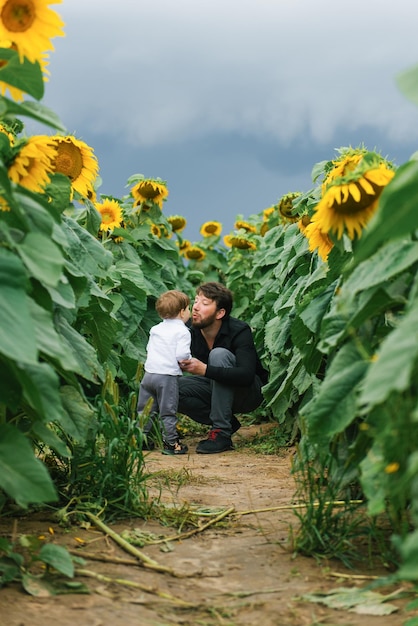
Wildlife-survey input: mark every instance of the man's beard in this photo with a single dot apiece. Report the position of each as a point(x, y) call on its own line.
point(208, 321)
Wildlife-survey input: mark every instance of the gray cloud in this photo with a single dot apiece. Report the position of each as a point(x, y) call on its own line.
point(159, 70)
point(232, 90)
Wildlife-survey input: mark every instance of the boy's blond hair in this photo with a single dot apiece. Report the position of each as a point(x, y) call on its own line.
point(170, 303)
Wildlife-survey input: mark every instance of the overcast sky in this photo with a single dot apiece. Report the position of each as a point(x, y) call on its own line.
point(232, 102)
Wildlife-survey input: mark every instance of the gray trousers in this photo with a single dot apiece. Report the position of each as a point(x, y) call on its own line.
point(209, 402)
point(164, 390)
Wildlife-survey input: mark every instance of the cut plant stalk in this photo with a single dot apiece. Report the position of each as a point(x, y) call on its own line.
point(143, 558)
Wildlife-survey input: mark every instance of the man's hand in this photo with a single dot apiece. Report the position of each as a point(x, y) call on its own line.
point(193, 366)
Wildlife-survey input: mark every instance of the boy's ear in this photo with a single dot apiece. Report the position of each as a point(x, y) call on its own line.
point(220, 313)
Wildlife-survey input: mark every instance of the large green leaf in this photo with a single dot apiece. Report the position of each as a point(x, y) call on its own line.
point(23, 75)
point(278, 333)
point(395, 361)
point(314, 312)
point(34, 110)
point(84, 354)
point(62, 294)
point(300, 334)
point(131, 314)
point(17, 330)
point(290, 373)
point(86, 252)
point(40, 385)
point(75, 419)
point(35, 212)
point(79, 418)
point(349, 313)
point(22, 476)
point(334, 326)
point(389, 261)
point(48, 435)
point(131, 277)
point(102, 327)
point(334, 407)
point(57, 557)
point(48, 340)
point(42, 257)
point(58, 192)
point(370, 303)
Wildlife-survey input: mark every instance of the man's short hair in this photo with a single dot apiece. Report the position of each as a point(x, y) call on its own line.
point(219, 293)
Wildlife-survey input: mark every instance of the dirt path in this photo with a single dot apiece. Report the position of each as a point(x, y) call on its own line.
point(235, 574)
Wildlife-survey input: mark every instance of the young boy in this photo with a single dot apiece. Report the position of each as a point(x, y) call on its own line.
point(169, 343)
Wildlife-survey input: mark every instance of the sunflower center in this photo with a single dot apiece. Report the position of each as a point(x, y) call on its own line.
point(177, 224)
point(194, 254)
point(148, 191)
point(108, 216)
point(69, 160)
point(18, 15)
point(350, 206)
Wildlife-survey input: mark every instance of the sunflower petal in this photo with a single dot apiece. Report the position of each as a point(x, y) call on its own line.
point(368, 187)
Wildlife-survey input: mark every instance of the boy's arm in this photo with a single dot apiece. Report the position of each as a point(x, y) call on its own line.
point(183, 347)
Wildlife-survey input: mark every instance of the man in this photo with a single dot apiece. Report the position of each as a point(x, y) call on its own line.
point(227, 372)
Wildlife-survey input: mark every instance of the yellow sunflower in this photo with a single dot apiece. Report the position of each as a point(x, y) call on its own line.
point(211, 229)
point(177, 222)
point(249, 228)
point(285, 207)
point(267, 213)
point(150, 190)
point(76, 159)
point(351, 191)
point(270, 219)
point(242, 243)
point(30, 25)
point(156, 231)
point(318, 240)
point(33, 163)
point(194, 253)
point(111, 213)
point(184, 246)
point(227, 241)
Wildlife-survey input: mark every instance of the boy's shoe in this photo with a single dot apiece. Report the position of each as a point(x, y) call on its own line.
point(216, 442)
point(174, 448)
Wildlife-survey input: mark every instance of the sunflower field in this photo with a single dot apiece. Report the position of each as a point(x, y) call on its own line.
point(326, 277)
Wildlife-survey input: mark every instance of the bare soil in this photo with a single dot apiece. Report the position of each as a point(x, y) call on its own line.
point(238, 572)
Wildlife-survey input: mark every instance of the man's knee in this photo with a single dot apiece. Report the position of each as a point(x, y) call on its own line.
point(221, 357)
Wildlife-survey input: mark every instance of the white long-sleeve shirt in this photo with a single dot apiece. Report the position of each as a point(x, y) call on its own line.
point(169, 342)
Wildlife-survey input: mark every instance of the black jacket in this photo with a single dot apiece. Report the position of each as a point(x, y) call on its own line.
point(236, 336)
